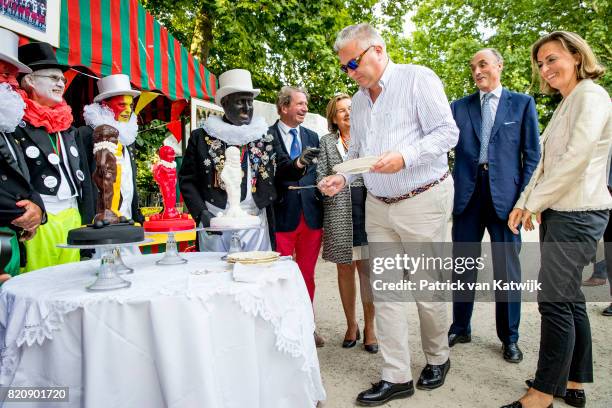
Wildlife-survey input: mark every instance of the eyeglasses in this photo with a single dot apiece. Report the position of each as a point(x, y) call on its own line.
point(54, 78)
point(354, 63)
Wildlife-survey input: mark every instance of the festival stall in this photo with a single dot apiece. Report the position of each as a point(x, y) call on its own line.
point(98, 38)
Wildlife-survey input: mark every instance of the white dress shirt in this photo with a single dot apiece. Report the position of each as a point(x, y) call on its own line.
point(288, 137)
point(412, 116)
point(64, 198)
point(494, 101)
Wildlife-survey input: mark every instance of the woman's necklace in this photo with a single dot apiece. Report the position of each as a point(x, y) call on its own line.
point(345, 142)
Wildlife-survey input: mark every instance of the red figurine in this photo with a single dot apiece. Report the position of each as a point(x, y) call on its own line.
point(164, 173)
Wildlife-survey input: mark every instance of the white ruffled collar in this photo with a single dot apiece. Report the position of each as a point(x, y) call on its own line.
point(167, 164)
point(105, 145)
point(235, 135)
point(12, 108)
point(97, 114)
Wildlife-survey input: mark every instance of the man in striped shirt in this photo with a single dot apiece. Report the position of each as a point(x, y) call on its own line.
point(400, 115)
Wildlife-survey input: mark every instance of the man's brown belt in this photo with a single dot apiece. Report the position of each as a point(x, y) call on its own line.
point(415, 192)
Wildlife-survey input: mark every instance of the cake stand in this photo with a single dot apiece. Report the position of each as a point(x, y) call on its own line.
point(235, 242)
point(120, 267)
point(171, 256)
point(107, 276)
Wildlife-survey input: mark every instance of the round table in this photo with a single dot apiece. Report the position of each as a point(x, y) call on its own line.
point(194, 335)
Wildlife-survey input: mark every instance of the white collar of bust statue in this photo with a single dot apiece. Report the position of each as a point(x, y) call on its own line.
point(234, 135)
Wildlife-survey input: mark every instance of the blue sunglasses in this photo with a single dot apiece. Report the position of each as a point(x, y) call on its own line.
point(354, 63)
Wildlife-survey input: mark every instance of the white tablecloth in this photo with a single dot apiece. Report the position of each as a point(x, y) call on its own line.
point(174, 339)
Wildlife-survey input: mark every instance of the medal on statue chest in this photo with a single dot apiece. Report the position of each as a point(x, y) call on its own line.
point(217, 154)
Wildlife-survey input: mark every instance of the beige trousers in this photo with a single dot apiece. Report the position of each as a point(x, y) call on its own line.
point(420, 219)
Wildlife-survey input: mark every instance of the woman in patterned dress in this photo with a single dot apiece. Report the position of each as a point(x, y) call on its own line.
point(344, 236)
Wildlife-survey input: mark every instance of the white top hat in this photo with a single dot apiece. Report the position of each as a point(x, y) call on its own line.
point(232, 81)
point(9, 43)
point(113, 85)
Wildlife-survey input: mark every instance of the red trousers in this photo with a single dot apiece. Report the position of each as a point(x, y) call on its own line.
point(303, 244)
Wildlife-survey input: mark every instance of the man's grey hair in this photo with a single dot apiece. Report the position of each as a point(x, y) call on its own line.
point(496, 53)
point(284, 96)
point(364, 33)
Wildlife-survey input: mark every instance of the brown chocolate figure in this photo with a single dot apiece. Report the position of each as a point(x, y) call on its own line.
point(105, 140)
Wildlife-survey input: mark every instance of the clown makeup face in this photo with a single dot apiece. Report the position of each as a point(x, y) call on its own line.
point(8, 73)
point(121, 106)
point(46, 86)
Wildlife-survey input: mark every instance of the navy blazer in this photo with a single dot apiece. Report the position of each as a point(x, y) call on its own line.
point(291, 203)
point(514, 149)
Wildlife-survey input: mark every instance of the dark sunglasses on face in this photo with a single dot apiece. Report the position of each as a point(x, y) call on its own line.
point(354, 63)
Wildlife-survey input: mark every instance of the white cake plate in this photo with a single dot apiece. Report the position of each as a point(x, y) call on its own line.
point(172, 255)
point(107, 276)
point(235, 242)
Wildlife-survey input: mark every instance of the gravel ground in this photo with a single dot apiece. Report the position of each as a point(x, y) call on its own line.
point(479, 377)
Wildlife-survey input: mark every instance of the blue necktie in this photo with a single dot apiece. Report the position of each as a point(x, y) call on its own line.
point(296, 149)
point(485, 129)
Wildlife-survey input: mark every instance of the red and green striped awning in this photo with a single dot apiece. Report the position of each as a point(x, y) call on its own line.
point(119, 36)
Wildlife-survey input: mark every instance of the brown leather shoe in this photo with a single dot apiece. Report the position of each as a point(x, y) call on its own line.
point(594, 282)
point(319, 342)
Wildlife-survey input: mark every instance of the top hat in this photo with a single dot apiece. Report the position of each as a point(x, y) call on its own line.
point(114, 85)
point(232, 81)
point(39, 55)
point(9, 42)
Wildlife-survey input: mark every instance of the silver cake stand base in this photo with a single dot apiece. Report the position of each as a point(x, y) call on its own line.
point(107, 274)
point(235, 242)
point(172, 255)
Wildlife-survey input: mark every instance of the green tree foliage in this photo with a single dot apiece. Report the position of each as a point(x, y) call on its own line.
point(449, 32)
point(280, 41)
point(150, 138)
point(290, 41)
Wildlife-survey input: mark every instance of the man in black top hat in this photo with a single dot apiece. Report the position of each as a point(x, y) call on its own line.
point(57, 165)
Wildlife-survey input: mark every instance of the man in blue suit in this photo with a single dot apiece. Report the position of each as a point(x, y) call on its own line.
point(298, 213)
point(498, 151)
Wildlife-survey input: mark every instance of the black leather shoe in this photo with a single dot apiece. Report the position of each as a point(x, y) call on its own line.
point(517, 404)
point(607, 311)
point(454, 338)
point(512, 353)
point(371, 348)
point(573, 397)
point(384, 391)
point(351, 343)
point(433, 376)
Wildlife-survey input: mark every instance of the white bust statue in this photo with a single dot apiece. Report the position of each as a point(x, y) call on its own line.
point(231, 175)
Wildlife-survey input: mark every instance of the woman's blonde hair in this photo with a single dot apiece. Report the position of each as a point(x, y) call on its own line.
point(330, 112)
point(588, 65)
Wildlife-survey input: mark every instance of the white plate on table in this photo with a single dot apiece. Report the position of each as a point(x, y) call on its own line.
point(253, 257)
point(356, 166)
